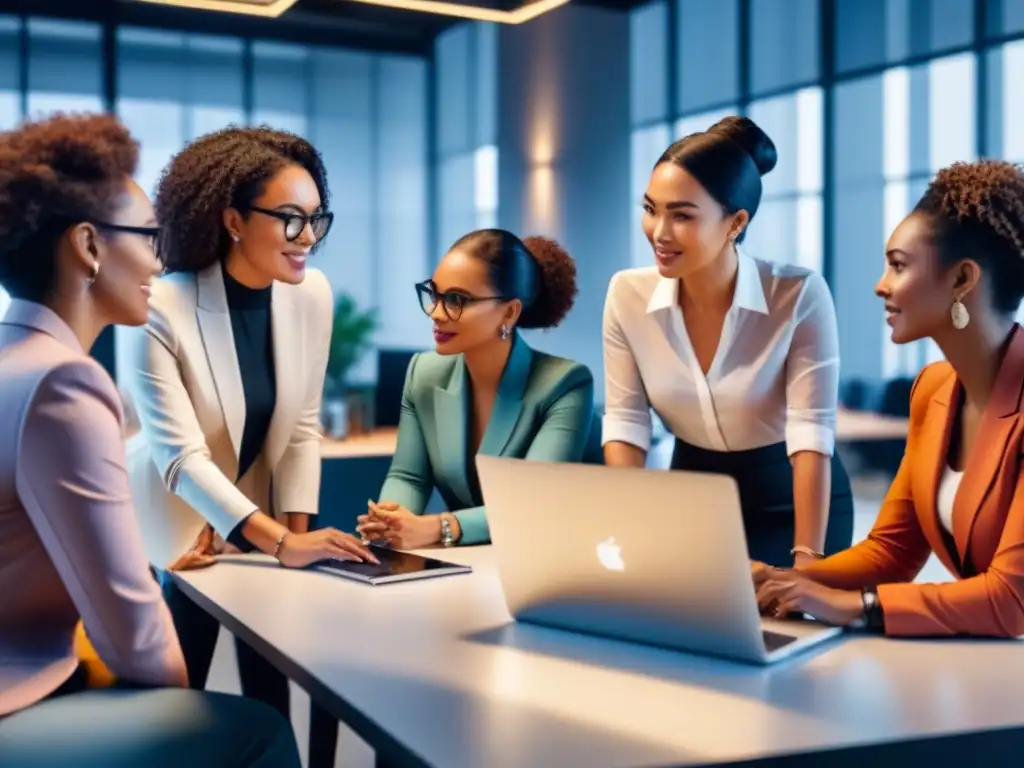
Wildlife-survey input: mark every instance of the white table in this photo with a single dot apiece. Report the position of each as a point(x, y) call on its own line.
point(432, 672)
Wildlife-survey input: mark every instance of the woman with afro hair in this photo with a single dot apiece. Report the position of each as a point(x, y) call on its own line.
point(483, 390)
point(228, 373)
point(77, 255)
point(955, 274)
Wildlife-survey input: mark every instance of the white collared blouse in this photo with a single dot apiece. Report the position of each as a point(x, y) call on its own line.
point(775, 374)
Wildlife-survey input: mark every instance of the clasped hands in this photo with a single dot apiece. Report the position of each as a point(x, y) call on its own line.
point(393, 525)
point(784, 591)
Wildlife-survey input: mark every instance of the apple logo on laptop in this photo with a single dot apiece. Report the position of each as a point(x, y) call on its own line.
point(610, 554)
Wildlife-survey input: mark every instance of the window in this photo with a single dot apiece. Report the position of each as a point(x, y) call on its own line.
point(929, 124)
point(280, 87)
point(784, 44)
point(869, 34)
point(10, 95)
point(64, 67)
point(10, 92)
point(648, 144)
point(648, 62)
point(1005, 116)
point(1004, 17)
point(466, 59)
point(696, 123)
point(402, 253)
point(485, 186)
point(708, 44)
point(172, 88)
point(788, 224)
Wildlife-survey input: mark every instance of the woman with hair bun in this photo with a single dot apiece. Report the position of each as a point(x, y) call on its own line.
point(954, 274)
point(484, 390)
point(739, 357)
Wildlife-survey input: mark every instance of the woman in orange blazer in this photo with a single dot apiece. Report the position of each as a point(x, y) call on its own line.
point(954, 273)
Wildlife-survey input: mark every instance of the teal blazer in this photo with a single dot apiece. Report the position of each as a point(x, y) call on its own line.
point(544, 411)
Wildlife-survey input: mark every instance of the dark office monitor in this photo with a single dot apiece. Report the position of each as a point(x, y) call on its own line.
point(391, 367)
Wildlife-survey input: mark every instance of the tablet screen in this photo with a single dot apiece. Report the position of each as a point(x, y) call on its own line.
point(392, 563)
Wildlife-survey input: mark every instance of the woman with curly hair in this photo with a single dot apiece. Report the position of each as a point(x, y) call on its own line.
point(76, 255)
point(228, 373)
point(484, 390)
point(955, 274)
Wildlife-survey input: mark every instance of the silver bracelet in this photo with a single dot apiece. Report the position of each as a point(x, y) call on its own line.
point(277, 547)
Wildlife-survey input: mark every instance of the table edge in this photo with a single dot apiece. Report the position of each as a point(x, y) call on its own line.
point(375, 735)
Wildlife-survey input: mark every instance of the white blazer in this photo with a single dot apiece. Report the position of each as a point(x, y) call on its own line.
point(184, 382)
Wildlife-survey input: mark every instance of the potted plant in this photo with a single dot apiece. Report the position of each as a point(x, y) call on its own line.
point(350, 339)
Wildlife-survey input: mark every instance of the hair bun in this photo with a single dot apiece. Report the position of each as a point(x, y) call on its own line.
point(557, 284)
point(748, 135)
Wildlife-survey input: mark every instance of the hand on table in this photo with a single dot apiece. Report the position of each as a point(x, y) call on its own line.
point(200, 555)
point(781, 592)
point(301, 549)
point(393, 524)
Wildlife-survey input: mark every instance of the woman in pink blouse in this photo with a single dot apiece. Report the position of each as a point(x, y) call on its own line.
point(76, 255)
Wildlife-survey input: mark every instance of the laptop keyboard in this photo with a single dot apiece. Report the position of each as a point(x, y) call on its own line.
point(774, 640)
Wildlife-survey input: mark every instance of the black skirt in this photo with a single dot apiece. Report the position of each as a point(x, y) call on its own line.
point(765, 480)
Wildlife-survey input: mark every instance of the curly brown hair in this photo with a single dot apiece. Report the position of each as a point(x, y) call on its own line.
point(55, 173)
point(537, 271)
point(977, 211)
point(221, 170)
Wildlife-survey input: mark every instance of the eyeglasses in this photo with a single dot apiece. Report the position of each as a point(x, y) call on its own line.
point(452, 303)
point(152, 234)
point(295, 223)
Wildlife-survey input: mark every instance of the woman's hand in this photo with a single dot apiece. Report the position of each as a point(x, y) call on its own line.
point(200, 555)
point(301, 549)
point(398, 527)
point(783, 592)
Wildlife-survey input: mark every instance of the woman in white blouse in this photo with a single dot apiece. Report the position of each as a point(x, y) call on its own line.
point(738, 357)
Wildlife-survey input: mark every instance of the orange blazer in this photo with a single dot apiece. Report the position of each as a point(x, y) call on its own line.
point(986, 549)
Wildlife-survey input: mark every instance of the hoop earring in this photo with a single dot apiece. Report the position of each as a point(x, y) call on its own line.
point(959, 315)
point(505, 333)
point(94, 274)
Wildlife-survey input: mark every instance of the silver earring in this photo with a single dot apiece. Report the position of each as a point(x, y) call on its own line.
point(94, 274)
point(959, 315)
point(505, 333)
point(234, 237)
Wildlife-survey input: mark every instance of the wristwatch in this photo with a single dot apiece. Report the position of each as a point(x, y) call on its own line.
point(446, 531)
point(871, 616)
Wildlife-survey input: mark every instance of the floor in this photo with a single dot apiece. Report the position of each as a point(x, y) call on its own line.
point(354, 753)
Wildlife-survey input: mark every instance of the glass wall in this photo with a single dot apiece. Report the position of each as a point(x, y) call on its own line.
point(865, 100)
point(466, 77)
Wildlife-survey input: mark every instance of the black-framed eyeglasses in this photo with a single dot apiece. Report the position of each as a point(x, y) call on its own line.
point(452, 302)
point(295, 223)
point(152, 234)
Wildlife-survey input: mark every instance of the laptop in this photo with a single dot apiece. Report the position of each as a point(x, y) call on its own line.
point(648, 556)
point(395, 566)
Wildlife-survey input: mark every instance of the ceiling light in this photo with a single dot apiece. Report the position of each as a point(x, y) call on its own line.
point(268, 8)
point(274, 8)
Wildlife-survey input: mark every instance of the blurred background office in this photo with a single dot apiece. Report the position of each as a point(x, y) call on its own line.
point(433, 125)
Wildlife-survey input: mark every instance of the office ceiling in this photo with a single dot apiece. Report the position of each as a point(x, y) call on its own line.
point(327, 22)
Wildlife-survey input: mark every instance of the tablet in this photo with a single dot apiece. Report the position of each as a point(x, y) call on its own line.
point(394, 566)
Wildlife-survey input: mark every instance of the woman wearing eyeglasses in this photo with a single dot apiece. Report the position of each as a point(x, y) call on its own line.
point(484, 390)
point(76, 255)
point(227, 375)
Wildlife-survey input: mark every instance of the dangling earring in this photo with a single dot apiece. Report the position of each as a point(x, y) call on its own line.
point(504, 333)
point(959, 314)
point(94, 274)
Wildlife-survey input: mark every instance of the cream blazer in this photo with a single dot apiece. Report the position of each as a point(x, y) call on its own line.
point(183, 380)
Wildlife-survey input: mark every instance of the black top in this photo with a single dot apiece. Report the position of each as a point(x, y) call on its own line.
point(254, 346)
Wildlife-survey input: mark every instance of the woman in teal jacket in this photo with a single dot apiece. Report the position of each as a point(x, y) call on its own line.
point(483, 390)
